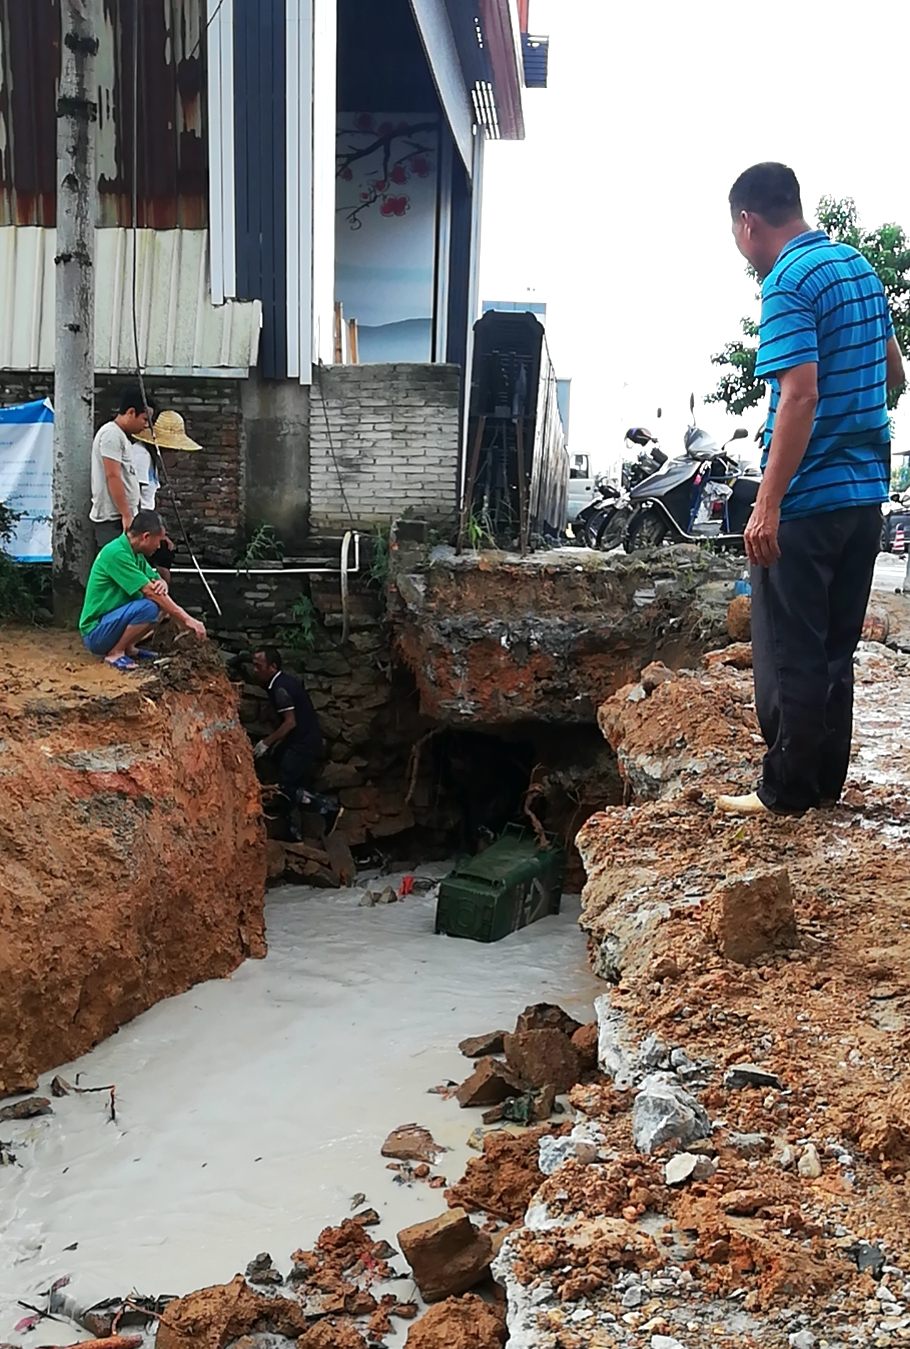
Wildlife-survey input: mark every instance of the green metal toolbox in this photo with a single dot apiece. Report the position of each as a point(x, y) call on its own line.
point(513, 883)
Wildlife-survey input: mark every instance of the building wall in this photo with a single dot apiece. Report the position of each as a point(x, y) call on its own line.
point(384, 441)
point(208, 485)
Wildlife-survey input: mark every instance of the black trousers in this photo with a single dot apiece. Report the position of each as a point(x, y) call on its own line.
point(807, 618)
point(296, 769)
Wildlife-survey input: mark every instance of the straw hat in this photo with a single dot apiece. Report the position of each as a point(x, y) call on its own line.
point(169, 433)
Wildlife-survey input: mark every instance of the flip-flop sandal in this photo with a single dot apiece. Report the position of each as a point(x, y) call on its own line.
point(143, 653)
point(123, 663)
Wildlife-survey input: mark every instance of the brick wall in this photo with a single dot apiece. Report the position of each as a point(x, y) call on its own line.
point(208, 485)
point(394, 432)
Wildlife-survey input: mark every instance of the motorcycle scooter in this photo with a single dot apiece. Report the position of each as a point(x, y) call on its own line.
point(703, 496)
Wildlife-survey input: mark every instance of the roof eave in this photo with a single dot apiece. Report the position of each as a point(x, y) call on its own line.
point(506, 62)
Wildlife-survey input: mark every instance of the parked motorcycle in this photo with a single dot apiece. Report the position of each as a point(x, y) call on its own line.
point(603, 524)
point(704, 495)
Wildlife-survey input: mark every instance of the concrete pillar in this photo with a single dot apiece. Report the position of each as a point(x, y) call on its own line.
point(276, 416)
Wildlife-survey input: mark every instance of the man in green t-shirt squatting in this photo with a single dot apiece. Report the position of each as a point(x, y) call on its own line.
point(125, 598)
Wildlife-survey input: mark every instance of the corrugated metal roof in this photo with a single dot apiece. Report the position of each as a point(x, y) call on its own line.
point(180, 330)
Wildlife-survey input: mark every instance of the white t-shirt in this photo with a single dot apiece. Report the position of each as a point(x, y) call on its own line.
point(112, 443)
point(147, 474)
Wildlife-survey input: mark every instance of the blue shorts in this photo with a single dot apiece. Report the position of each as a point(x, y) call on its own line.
point(107, 633)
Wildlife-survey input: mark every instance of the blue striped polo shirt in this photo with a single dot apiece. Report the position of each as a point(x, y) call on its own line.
point(822, 302)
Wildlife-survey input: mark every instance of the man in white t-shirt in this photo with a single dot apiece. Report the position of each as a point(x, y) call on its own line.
point(115, 482)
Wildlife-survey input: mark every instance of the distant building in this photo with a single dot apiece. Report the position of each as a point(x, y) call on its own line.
point(309, 184)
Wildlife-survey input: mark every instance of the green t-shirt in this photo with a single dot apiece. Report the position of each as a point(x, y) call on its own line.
point(118, 575)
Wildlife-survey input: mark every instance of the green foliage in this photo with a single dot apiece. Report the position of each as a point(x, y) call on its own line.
point(886, 248)
point(379, 562)
point(24, 590)
point(300, 632)
point(479, 532)
point(264, 545)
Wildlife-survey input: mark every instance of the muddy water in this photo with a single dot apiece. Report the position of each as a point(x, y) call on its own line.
point(251, 1110)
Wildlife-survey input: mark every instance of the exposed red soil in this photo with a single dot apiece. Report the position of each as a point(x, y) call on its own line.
point(132, 854)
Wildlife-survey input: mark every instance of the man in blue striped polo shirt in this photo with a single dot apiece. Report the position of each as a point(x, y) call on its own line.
point(827, 348)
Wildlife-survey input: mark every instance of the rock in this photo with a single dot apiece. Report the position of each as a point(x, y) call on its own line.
point(868, 1258)
point(688, 1166)
point(490, 1083)
point(337, 775)
point(802, 1339)
point(274, 859)
point(665, 1342)
point(633, 1297)
point(459, 1323)
point(743, 1203)
point(636, 694)
point(749, 1145)
point(750, 1075)
point(213, 1317)
point(585, 1044)
point(753, 916)
point(653, 1053)
point(739, 618)
point(787, 1159)
point(411, 1143)
point(547, 1016)
point(738, 656)
point(664, 1112)
point(448, 1255)
point(332, 1333)
point(655, 674)
point(809, 1165)
point(543, 1058)
point(581, 1145)
point(477, 1046)
point(29, 1109)
point(261, 1270)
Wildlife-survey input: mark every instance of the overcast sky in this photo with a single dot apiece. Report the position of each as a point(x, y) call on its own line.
point(613, 211)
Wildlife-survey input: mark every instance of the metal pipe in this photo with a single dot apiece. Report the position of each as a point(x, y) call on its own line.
point(345, 616)
point(288, 571)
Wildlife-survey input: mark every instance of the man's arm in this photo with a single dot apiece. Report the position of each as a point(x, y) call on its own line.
point(114, 479)
point(896, 377)
point(173, 610)
point(793, 424)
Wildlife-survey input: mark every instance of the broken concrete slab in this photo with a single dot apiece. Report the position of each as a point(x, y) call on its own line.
point(411, 1143)
point(753, 916)
point(543, 1058)
point(448, 1255)
point(479, 1046)
point(742, 1075)
point(490, 1083)
point(664, 1112)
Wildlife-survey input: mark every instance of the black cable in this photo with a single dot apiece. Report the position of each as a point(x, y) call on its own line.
point(204, 33)
point(328, 431)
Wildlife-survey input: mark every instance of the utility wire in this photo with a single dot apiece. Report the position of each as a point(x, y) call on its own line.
point(328, 432)
point(159, 459)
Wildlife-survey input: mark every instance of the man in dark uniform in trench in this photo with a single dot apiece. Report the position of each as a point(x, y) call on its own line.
point(297, 737)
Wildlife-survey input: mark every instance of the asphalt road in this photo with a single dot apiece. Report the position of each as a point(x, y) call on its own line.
point(890, 570)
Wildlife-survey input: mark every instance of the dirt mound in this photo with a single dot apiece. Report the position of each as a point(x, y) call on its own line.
point(132, 855)
point(698, 726)
point(502, 1180)
point(459, 1323)
point(213, 1317)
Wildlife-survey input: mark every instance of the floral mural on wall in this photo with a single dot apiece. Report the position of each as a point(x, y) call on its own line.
point(386, 171)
